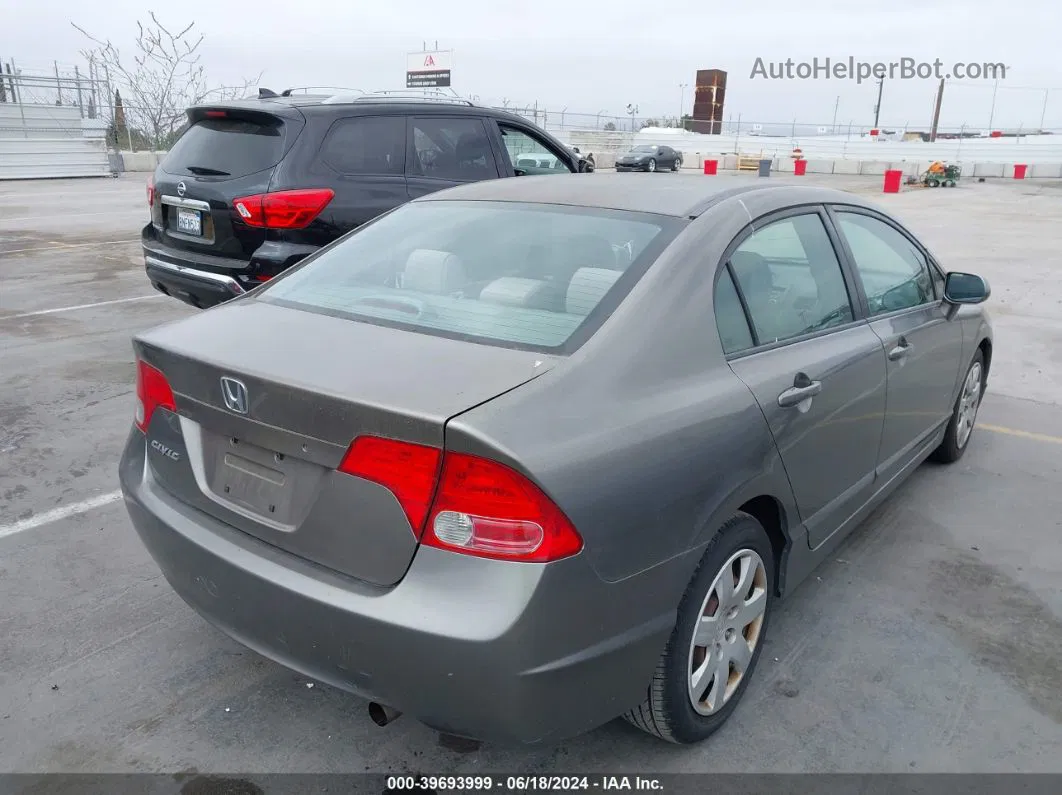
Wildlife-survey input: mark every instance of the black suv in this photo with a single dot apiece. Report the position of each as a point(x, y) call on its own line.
point(253, 186)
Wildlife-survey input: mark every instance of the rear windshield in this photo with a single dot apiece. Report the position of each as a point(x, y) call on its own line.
point(539, 277)
point(226, 147)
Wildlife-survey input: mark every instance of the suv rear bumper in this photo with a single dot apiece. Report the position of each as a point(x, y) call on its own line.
point(504, 652)
point(191, 285)
point(205, 280)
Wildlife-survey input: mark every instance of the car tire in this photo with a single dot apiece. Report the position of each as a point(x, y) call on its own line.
point(964, 414)
point(652, 165)
point(668, 711)
point(676, 165)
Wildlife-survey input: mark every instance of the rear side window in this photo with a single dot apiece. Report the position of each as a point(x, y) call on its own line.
point(227, 148)
point(519, 275)
point(730, 319)
point(452, 149)
point(791, 280)
point(366, 145)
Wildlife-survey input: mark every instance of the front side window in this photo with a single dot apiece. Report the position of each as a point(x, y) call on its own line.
point(522, 275)
point(452, 149)
point(791, 279)
point(894, 272)
point(530, 155)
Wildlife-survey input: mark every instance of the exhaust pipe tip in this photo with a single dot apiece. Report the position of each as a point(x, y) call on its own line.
point(381, 714)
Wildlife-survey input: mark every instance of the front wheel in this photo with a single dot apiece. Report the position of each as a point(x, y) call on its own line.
point(712, 652)
point(964, 415)
point(652, 166)
point(676, 165)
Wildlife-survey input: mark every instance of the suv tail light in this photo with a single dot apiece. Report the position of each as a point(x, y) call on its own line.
point(480, 507)
point(151, 191)
point(152, 392)
point(286, 209)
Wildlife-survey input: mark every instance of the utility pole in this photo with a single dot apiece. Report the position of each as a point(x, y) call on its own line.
point(682, 100)
point(1047, 93)
point(936, 111)
point(836, 105)
point(877, 108)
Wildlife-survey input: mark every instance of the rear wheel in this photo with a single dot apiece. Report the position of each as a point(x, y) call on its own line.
point(964, 415)
point(712, 652)
point(652, 165)
point(676, 165)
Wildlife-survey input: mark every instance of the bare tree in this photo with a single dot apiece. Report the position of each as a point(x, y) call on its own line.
point(162, 79)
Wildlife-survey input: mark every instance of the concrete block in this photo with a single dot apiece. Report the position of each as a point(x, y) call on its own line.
point(872, 168)
point(605, 160)
point(990, 170)
point(141, 161)
point(1008, 171)
point(1045, 170)
point(846, 167)
point(820, 166)
point(784, 165)
point(730, 162)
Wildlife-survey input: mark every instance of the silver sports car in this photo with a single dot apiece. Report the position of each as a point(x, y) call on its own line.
point(522, 456)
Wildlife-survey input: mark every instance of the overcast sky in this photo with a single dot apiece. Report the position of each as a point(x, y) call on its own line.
point(595, 56)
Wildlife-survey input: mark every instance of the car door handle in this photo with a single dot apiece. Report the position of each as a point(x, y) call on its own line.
point(903, 347)
point(797, 394)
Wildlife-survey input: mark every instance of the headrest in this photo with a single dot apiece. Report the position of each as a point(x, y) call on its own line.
point(516, 291)
point(751, 268)
point(431, 271)
point(588, 287)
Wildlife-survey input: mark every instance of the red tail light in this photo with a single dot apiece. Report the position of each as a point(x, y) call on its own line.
point(216, 114)
point(408, 470)
point(480, 507)
point(286, 209)
point(152, 392)
point(151, 192)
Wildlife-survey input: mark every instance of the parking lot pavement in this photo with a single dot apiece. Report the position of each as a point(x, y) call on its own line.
point(931, 642)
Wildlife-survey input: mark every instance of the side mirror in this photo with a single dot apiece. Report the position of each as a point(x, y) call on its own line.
point(965, 288)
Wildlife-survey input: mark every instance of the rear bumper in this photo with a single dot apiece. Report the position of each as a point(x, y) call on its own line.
point(204, 280)
point(502, 652)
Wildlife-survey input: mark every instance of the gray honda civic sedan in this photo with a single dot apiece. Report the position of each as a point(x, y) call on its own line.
point(523, 456)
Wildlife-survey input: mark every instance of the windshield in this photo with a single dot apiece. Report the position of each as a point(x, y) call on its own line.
point(644, 148)
point(518, 275)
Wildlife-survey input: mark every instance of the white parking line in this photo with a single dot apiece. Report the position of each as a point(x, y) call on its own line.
point(56, 246)
point(81, 306)
point(118, 211)
point(62, 512)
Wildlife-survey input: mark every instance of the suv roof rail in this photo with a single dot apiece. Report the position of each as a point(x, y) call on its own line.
point(287, 92)
point(411, 95)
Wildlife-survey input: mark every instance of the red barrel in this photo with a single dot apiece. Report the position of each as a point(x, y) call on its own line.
point(711, 167)
point(1019, 170)
point(893, 178)
point(800, 167)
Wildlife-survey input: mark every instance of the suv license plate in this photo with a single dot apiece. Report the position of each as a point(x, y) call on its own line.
point(190, 222)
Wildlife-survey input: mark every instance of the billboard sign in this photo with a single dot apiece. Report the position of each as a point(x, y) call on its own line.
point(429, 69)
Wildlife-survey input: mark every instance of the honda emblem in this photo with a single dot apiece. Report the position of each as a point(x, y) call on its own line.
point(234, 393)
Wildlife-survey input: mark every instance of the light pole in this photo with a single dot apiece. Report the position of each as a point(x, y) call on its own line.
point(631, 110)
point(1047, 93)
point(682, 100)
point(995, 89)
point(599, 114)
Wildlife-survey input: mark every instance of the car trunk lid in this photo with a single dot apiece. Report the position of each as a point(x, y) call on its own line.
point(261, 450)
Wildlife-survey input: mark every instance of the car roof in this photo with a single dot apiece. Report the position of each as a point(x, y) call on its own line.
point(660, 194)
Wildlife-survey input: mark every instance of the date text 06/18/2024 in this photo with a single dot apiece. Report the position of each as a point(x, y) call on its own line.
point(488, 783)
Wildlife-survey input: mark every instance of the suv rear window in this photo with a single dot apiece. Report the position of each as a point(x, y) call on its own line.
point(226, 147)
point(539, 277)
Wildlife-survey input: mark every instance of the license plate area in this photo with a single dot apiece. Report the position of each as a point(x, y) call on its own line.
point(262, 484)
point(189, 222)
